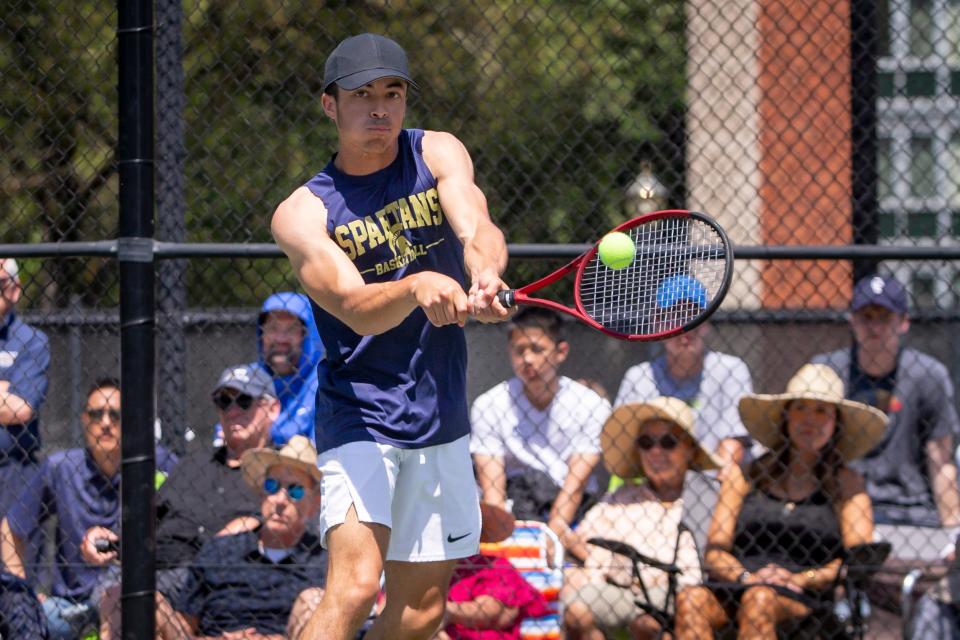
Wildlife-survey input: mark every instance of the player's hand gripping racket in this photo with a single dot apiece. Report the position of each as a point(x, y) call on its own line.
point(678, 277)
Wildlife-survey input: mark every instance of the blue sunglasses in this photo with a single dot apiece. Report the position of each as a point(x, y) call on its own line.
point(295, 491)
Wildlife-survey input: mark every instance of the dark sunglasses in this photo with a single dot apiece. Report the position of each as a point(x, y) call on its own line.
point(96, 415)
point(295, 491)
point(667, 442)
point(224, 400)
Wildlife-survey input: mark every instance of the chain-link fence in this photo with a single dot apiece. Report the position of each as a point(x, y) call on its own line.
point(824, 137)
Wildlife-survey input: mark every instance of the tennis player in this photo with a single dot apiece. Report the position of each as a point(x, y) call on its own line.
point(385, 241)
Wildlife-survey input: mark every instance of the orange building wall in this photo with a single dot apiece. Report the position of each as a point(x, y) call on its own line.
point(805, 130)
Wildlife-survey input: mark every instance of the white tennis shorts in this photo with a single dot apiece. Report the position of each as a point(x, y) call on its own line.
point(427, 497)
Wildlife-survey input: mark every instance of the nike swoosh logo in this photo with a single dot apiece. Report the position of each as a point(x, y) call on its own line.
point(450, 538)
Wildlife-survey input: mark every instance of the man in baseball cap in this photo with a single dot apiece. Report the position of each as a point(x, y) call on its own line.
point(911, 476)
point(385, 295)
point(709, 381)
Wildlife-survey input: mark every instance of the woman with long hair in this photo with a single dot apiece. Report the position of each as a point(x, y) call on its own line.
point(781, 525)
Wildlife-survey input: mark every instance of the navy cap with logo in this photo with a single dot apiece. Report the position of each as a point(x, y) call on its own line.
point(882, 291)
point(246, 379)
point(361, 59)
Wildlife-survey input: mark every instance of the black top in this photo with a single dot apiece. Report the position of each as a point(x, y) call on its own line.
point(233, 585)
point(201, 495)
point(795, 535)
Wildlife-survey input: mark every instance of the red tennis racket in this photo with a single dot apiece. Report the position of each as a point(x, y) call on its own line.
point(678, 278)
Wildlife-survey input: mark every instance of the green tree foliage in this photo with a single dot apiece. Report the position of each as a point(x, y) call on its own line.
point(558, 101)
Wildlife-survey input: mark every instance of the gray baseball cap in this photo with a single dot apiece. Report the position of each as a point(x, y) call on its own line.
point(253, 381)
point(361, 59)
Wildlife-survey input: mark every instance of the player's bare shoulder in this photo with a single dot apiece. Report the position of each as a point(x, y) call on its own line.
point(444, 152)
point(301, 211)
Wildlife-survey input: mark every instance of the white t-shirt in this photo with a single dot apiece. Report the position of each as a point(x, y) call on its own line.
point(725, 380)
point(504, 424)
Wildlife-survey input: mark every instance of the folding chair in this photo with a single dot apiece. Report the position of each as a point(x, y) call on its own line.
point(535, 551)
point(664, 616)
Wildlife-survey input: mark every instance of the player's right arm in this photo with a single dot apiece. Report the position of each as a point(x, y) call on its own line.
point(332, 280)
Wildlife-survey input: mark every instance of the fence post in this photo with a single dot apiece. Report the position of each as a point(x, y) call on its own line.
point(137, 307)
point(863, 132)
point(171, 223)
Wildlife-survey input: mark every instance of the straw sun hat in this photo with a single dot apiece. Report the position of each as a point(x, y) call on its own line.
point(863, 425)
point(620, 432)
point(298, 453)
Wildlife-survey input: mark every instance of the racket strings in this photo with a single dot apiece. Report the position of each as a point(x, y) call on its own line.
point(677, 272)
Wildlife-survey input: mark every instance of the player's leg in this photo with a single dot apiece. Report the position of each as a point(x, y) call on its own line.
point(436, 520)
point(357, 485)
point(416, 598)
point(353, 579)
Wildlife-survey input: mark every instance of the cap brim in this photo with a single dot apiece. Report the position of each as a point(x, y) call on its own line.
point(361, 78)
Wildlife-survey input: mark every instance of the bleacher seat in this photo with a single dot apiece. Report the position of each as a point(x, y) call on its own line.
point(535, 551)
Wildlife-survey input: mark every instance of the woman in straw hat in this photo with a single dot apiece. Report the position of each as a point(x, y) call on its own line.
point(780, 526)
point(654, 443)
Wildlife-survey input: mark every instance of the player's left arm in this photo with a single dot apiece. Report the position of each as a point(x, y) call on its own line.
point(484, 247)
point(942, 471)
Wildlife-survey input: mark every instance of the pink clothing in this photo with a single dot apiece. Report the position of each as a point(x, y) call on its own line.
point(495, 577)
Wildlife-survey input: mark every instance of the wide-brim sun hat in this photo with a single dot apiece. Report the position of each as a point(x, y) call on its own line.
point(862, 427)
point(619, 437)
point(298, 453)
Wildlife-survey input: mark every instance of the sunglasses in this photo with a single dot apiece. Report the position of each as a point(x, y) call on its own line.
point(224, 400)
point(667, 442)
point(295, 491)
point(96, 415)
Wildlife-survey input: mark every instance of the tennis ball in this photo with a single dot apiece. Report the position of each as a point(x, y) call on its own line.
point(617, 250)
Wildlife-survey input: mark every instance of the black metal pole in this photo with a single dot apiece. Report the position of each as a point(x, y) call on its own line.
point(137, 307)
point(863, 161)
point(171, 224)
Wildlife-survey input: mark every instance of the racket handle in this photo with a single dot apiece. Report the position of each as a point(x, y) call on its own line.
point(507, 297)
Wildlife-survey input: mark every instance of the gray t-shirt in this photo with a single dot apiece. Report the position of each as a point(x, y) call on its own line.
point(921, 408)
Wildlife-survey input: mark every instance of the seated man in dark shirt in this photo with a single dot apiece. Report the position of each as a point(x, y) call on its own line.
point(247, 583)
point(81, 488)
point(205, 495)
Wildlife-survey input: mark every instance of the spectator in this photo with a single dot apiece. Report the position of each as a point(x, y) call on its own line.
point(488, 598)
point(289, 349)
point(81, 487)
point(538, 425)
point(655, 441)
point(911, 475)
point(21, 615)
point(24, 358)
point(262, 583)
point(709, 381)
point(205, 495)
point(780, 526)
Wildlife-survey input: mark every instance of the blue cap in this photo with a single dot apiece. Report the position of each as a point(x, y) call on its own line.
point(359, 60)
point(882, 291)
point(681, 288)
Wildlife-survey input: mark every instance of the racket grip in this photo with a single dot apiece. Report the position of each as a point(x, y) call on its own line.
point(507, 297)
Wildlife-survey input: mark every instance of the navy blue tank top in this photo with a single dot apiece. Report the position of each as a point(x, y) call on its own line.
point(405, 387)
